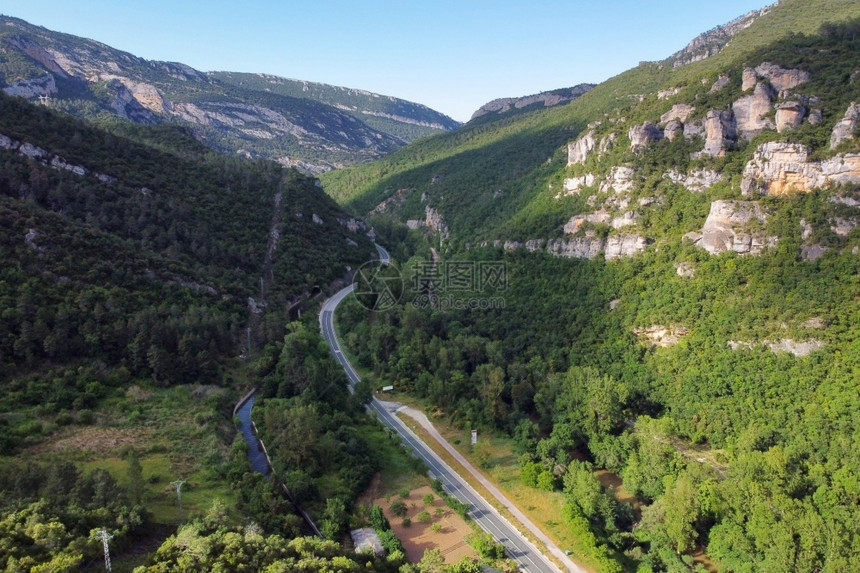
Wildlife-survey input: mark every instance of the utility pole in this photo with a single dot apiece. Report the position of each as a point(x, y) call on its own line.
point(105, 537)
point(178, 485)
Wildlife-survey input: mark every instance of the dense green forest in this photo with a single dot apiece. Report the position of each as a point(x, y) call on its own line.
point(714, 439)
point(142, 276)
point(722, 388)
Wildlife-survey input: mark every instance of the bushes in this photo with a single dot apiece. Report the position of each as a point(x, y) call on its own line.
point(398, 508)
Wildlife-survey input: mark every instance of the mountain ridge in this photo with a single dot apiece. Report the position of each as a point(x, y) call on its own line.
point(90, 79)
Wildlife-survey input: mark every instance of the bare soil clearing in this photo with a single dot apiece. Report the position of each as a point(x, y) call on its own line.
point(419, 537)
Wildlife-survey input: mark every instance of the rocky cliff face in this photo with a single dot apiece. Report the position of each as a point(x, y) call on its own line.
point(780, 168)
point(845, 128)
point(734, 226)
point(543, 99)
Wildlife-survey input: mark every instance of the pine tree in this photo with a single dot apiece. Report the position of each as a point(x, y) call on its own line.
point(135, 478)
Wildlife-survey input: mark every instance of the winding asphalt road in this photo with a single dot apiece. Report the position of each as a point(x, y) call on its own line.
point(518, 547)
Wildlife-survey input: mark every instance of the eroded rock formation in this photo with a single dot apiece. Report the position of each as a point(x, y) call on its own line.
point(733, 226)
point(778, 168)
point(844, 128)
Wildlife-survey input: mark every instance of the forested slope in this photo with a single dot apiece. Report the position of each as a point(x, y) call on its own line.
point(679, 304)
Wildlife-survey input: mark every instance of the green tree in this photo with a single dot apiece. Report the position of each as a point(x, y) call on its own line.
point(134, 473)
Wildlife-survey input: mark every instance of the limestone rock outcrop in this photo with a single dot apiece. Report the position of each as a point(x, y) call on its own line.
point(718, 85)
point(751, 111)
point(697, 181)
point(579, 150)
point(624, 245)
point(780, 78)
point(643, 135)
point(667, 93)
point(720, 133)
point(620, 180)
point(748, 79)
point(679, 111)
point(729, 227)
point(589, 246)
point(602, 216)
point(660, 335)
point(844, 128)
point(573, 185)
point(30, 88)
point(673, 129)
point(789, 115)
point(577, 221)
point(685, 269)
point(778, 168)
point(433, 219)
point(544, 99)
point(714, 40)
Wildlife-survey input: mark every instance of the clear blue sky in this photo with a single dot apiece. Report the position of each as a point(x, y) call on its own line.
point(451, 55)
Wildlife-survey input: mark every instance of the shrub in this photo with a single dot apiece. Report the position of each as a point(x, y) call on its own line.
point(437, 486)
point(398, 508)
point(378, 520)
point(424, 517)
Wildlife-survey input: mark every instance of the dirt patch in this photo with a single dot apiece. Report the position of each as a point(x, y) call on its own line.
point(449, 537)
point(373, 492)
point(95, 439)
point(614, 482)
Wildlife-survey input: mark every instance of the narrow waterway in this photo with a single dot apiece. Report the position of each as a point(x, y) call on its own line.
point(255, 452)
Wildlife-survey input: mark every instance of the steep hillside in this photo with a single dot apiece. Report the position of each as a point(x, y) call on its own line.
point(397, 117)
point(311, 130)
point(491, 179)
point(674, 299)
point(148, 261)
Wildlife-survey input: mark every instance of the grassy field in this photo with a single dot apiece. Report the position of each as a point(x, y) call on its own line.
point(178, 433)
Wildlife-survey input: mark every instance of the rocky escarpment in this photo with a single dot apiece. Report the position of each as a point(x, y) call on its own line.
point(751, 114)
point(796, 347)
point(845, 128)
point(543, 99)
point(587, 246)
point(49, 159)
point(697, 180)
point(734, 226)
point(579, 150)
point(711, 42)
point(779, 168)
point(433, 220)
